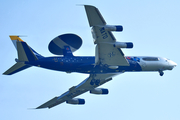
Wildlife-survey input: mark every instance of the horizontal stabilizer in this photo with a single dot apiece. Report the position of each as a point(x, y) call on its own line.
point(25, 54)
point(16, 68)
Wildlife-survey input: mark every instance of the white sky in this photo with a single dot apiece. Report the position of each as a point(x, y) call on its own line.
point(152, 25)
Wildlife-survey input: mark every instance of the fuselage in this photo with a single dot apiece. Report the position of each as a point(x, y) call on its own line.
point(87, 64)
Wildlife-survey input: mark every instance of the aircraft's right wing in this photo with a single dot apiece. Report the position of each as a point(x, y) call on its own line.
point(107, 50)
point(90, 83)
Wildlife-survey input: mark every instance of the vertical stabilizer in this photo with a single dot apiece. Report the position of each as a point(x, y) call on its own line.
point(25, 52)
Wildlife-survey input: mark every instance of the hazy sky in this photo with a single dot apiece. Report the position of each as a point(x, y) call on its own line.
point(152, 25)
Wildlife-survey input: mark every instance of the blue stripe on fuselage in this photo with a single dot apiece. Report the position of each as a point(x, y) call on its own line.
point(81, 65)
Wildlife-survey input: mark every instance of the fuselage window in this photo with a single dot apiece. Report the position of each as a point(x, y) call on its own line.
point(150, 59)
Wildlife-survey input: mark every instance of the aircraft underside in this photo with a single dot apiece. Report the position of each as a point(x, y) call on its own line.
point(109, 59)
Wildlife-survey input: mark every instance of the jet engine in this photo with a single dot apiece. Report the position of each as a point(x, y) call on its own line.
point(99, 91)
point(57, 45)
point(118, 28)
point(76, 101)
point(123, 44)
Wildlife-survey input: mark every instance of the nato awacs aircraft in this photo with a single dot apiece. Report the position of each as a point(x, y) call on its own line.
point(109, 59)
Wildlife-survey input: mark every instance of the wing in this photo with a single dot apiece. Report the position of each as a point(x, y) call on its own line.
point(93, 81)
point(106, 52)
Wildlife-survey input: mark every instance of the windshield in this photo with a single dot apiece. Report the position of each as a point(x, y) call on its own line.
point(150, 59)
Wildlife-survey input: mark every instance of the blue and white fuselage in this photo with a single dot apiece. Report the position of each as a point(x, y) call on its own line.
point(87, 64)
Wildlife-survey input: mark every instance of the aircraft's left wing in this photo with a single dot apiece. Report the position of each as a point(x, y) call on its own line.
point(108, 50)
point(89, 84)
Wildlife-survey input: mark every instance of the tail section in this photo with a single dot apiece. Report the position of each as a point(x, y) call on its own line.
point(25, 54)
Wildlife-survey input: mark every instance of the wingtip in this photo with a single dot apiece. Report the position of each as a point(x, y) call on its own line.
point(40, 107)
point(35, 108)
point(31, 108)
point(85, 5)
point(43, 106)
point(79, 4)
point(90, 6)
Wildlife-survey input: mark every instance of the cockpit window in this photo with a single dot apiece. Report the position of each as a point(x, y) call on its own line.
point(150, 59)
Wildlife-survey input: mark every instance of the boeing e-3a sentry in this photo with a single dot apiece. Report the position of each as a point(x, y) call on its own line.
point(109, 59)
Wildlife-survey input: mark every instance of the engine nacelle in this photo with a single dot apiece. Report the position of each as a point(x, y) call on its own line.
point(118, 28)
point(123, 45)
point(99, 91)
point(76, 101)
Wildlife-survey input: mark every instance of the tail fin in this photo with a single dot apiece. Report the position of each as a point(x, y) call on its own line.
point(25, 54)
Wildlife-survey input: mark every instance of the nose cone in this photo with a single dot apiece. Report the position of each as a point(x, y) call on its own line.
point(171, 64)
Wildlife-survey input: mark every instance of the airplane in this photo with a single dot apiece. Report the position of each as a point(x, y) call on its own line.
point(109, 59)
